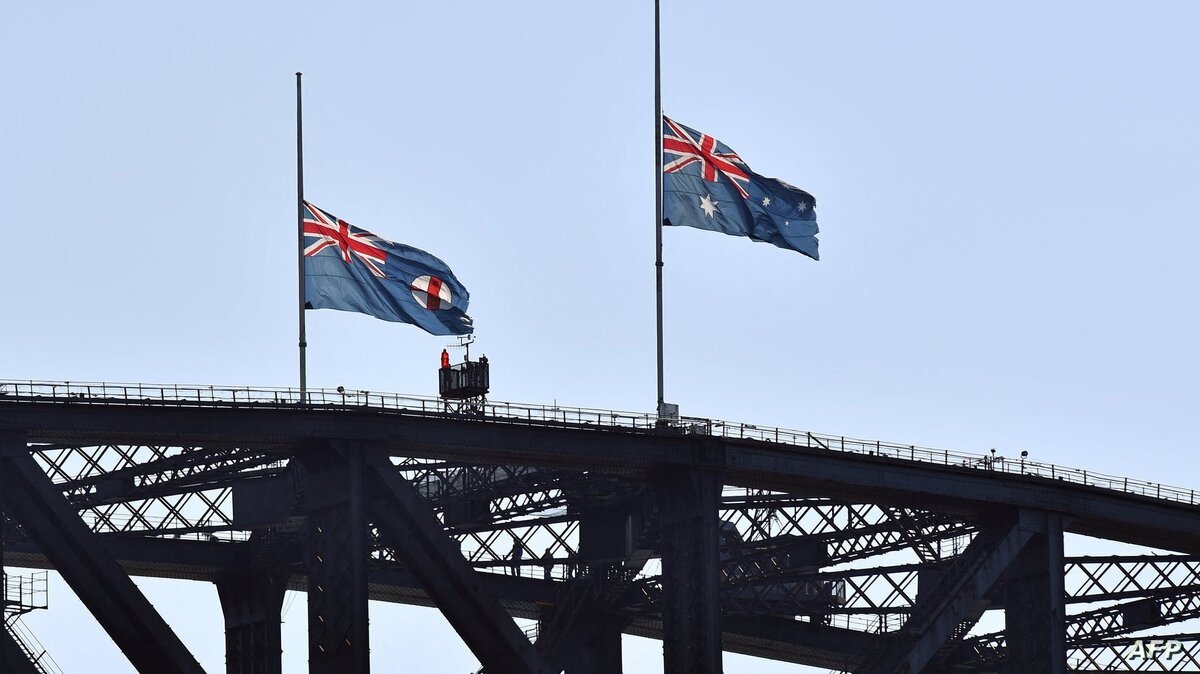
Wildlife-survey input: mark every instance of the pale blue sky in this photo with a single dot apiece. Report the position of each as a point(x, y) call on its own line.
point(1006, 194)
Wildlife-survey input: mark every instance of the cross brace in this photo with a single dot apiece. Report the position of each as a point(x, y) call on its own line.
point(88, 567)
point(957, 598)
point(409, 526)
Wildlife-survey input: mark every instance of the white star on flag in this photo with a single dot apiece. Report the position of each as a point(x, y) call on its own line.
point(708, 205)
point(766, 201)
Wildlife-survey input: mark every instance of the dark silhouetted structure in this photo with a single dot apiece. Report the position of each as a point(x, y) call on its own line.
point(851, 555)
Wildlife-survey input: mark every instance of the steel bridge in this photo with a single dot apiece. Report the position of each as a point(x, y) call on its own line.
point(827, 551)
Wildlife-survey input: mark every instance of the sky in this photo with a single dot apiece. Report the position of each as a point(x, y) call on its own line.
point(1006, 195)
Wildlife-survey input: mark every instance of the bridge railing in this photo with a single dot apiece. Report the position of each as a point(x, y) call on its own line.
point(99, 393)
point(25, 592)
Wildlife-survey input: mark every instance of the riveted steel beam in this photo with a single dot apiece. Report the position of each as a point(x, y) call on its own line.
point(87, 566)
point(688, 501)
point(958, 598)
point(409, 526)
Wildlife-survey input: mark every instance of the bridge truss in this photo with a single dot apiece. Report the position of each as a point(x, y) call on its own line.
point(825, 551)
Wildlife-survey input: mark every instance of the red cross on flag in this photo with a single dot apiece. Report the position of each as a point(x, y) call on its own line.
point(431, 293)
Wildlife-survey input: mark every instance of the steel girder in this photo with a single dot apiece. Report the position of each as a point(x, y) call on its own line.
point(691, 608)
point(777, 638)
point(1034, 610)
point(335, 558)
point(852, 529)
point(1128, 576)
point(884, 592)
point(1157, 590)
point(251, 600)
point(87, 566)
point(890, 479)
point(1095, 628)
point(171, 490)
point(957, 600)
point(1132, 616)
point(581, 629)
point(406, 521)
point(102, 472)
point(777, 563)
point(782, 639)
point(1157, 653)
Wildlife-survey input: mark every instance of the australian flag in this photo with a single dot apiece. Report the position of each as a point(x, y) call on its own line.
point(706, 185)
point(351, 269)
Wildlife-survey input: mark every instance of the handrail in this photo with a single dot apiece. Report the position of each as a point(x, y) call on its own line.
point(204, 395)
point(37, 654)
point(25, 592)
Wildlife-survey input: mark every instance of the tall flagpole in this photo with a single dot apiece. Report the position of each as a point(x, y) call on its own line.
point(658, 197)
point(300, 235)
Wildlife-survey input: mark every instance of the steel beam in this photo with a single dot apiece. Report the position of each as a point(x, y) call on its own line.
point(1150, 653)
point(580, 634)
point(250, 602)
point(406, 523)
point(155, 558)
point(1091, 579)
point(603, 535)
point(601, 654)
point(798, 641)
point(688, 501)
point(1105, 513)
point(1034, 611)
point(333, 621)
point(88, 567)
point(148, 557)
point(1101, 513)
point(1093, 511)
point(581, 631)
point(958, 598)
point(336, 561)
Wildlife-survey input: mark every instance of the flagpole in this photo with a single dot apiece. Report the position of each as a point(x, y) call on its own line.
point(300, 236)
point(658, 199)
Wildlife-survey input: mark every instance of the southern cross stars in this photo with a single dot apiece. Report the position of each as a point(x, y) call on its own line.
point(708, 206)
point(800, 205)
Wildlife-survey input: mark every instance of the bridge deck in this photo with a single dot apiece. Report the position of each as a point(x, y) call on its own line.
point(1120, 508)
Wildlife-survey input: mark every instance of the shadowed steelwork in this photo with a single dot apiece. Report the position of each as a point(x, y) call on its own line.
point(91, 571)
point(815, 549)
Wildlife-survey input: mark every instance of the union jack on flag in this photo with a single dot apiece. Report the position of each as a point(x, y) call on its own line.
point(326, 230)
point(351, 269)
point(707, 185)
point(690, 147)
